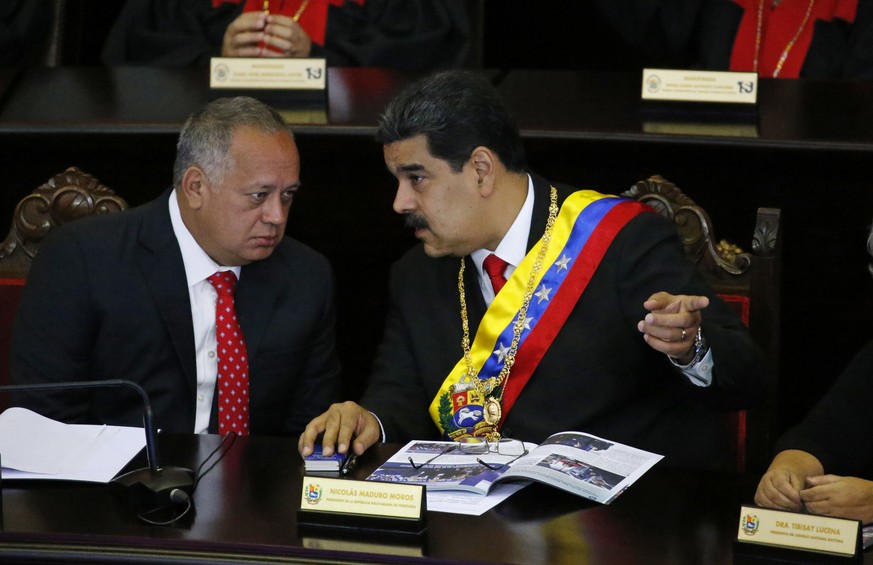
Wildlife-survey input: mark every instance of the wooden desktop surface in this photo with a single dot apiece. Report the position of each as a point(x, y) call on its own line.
point(581, 105)
point(789, 114)
point(145, 100)
point(246, 505)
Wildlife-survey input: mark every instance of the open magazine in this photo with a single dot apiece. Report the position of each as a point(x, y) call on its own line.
point(583, 464)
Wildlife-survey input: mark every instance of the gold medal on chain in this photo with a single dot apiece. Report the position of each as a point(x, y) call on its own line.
point(492, 407)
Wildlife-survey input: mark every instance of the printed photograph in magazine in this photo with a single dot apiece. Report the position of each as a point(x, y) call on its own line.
point(585, 465)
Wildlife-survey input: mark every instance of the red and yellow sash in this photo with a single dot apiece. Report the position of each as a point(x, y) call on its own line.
point(584, 229)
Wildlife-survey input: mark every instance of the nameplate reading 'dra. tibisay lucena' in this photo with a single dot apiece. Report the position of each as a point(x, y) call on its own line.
point(792, 530)
point(241, 73)
point(700, 86)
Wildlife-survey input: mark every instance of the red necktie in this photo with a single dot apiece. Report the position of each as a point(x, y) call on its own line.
point(495, 266)
point(233, 360)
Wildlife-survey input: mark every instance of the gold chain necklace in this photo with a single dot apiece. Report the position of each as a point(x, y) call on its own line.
point(759, 32)
point(492, 408)
point(296, 16)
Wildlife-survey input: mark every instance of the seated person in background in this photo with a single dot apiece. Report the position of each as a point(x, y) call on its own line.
point(618, 336)
point(834, 437)
point(132, 295)
point(775, 38)
point(420, 35)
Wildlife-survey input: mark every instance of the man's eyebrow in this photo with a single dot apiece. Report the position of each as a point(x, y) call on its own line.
point(271, 186)
point(412, 167)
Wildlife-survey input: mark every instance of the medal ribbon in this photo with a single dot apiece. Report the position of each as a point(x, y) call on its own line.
point(584, 228)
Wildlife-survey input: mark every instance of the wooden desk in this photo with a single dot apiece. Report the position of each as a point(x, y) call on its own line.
point(128, 100)
point(245, 513)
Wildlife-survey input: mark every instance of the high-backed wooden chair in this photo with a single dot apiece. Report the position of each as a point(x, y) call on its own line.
point(64, 198)
point(749, 282)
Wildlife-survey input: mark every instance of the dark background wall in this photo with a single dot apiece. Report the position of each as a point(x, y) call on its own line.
point(557, 34)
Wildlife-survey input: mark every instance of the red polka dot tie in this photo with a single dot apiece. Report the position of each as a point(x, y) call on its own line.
point(233, 360)
point(495, 267)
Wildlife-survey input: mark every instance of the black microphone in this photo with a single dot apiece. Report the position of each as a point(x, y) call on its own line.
point(153, 487)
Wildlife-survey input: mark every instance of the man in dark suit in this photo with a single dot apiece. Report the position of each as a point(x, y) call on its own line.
point(127, 296)
point(602, 325)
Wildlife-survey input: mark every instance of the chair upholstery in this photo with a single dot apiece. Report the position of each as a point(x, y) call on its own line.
point(66, 197)
point(747, 281)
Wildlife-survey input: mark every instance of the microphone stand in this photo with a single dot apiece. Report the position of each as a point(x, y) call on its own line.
point(149, 488)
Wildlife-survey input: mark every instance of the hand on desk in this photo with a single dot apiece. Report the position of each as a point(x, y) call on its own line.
point(668, 316)
point(844, 497)
point(796, 480)
point(342, 424)
point(781, 485)
point(254, 34)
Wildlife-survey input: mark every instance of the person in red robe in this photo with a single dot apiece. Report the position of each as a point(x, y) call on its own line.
point(775, 38)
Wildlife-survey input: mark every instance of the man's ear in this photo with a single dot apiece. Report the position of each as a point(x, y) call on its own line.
point(484, 161)
point(195, 184)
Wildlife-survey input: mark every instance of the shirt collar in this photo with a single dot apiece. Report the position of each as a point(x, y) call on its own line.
point(198, 265)
point(513, 247)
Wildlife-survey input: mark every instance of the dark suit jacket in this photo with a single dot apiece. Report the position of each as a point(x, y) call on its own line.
point(107, 298)
point(598, 376)
point(839, 429)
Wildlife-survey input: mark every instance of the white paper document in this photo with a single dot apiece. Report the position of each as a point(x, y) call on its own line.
point(36, 447)
point(470, 503)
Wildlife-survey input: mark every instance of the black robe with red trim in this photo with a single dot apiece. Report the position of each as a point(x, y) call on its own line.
point(418, 35)
point(700, 34)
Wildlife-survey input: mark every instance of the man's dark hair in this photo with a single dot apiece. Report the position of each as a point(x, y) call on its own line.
point(456, 111)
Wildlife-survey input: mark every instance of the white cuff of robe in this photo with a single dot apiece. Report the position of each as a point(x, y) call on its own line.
point(700, 374)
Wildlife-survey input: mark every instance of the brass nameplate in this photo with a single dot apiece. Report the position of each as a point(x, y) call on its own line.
point(836, 536)
point(700, 86)
point(268, 73)
point(343, 496)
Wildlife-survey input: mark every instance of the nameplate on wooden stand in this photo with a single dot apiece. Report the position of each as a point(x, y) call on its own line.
point(265, 73)
point(715, 87)
point(362, 504)
point(819, 535)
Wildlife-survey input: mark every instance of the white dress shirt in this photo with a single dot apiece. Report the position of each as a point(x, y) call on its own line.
point(199, 266)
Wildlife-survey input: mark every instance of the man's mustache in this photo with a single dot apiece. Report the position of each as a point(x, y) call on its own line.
point(414, 221)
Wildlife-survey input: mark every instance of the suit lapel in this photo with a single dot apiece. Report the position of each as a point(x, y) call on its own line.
point(475, 300)
point(540, 214)
point(164, 271)
point(255, 296)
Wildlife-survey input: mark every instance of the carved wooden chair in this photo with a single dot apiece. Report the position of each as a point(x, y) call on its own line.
point(64, 198)
point(747, 281)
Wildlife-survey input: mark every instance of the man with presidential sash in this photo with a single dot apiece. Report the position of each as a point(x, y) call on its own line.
point(533, 308)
